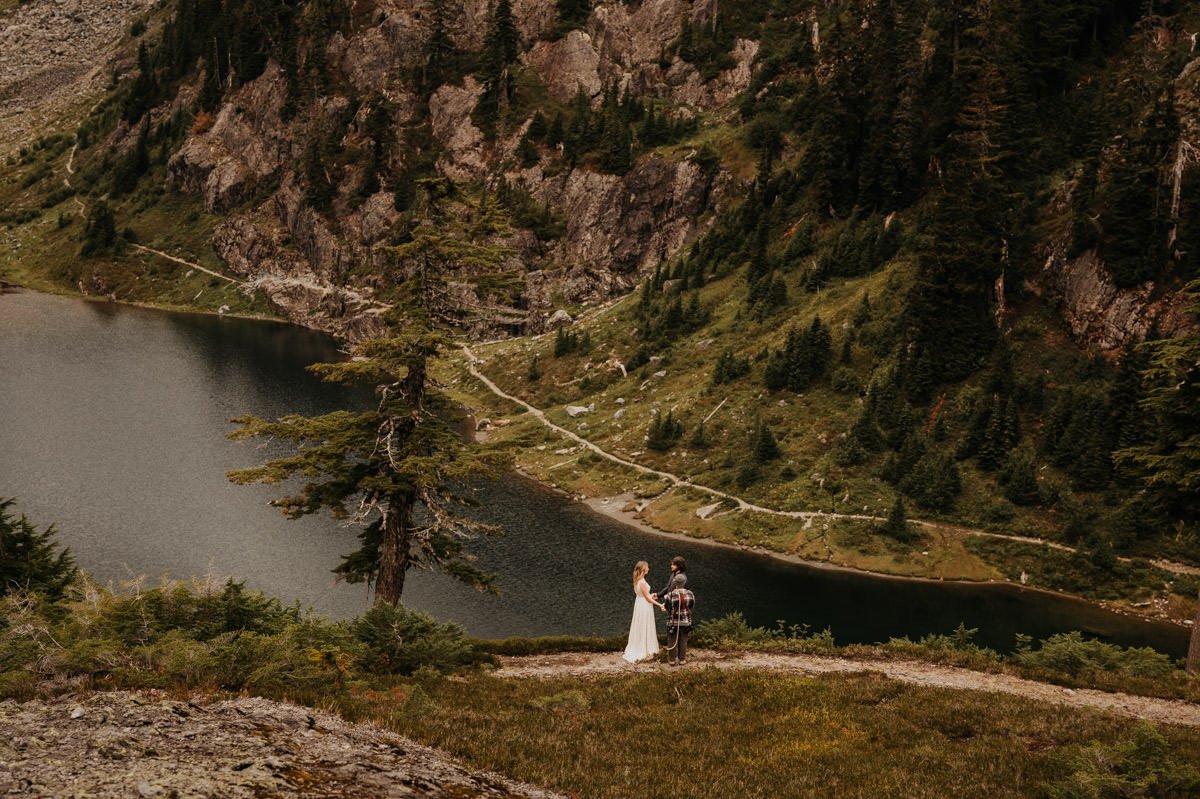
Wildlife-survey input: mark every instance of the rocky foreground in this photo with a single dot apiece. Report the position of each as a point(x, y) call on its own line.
point(138, 745)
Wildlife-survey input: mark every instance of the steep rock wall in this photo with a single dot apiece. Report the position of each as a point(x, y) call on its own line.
point(245, 165)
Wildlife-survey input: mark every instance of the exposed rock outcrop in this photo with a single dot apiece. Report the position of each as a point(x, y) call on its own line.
point(627, 224)
point(247, 146)
point(627, 46)
point(450, 110)
point(1098, 312)
point(119, 745)
point(568, 65)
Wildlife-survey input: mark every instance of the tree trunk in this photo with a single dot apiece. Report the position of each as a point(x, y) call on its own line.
point(393, 552)
point(1193, 656)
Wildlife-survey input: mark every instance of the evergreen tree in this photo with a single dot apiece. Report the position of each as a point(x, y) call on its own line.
point(729, 367)
point(100, 232)
point(565, 342)
point(441, 55)
point(1019, 477)
point(897, 526)
point(865, 431)
point(503, 36)
point(1136, 213)
point(664, 432)
point(30, 560)
point(143, 91)
point(763, 445)
point(555, 131)
point(132, 165)
point(539, 126)
point(387, 466)
point(615, 145)
point(318, 188)
point(1168, 459)
point(500, 48)
point(1000, 435)
point(803, 360)
point(934, 481)
point(527, 152)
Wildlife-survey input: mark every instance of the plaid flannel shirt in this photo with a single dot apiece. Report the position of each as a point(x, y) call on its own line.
point(679, 603)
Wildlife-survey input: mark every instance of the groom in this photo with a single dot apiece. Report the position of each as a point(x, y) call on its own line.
point(678, 601)
point(678, 569)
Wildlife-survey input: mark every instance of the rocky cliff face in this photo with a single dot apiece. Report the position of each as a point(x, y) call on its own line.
point(119, 745)
point(616, 227)
point(1098, 312)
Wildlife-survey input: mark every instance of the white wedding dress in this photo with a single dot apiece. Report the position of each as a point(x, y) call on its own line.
point(643, 635)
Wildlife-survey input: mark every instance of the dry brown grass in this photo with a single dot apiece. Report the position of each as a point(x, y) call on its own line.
point(704, 733)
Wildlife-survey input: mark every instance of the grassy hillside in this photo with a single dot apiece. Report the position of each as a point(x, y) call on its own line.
point(809, 427)
point(51, 189)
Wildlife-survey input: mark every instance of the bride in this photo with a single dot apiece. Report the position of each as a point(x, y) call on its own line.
point(643, 636)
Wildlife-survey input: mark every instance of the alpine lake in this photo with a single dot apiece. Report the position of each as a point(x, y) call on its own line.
point(113, 425)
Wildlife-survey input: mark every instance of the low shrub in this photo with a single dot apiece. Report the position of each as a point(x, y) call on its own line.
point(185, 635)
point(734, 632)
point(1074, 655)
point(1143, 765)
point(958, 648)
point(400, 641)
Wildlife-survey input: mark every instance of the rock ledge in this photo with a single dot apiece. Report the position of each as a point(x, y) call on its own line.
point(142, 745)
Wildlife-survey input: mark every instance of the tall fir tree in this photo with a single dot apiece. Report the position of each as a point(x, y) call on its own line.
point(396, 469)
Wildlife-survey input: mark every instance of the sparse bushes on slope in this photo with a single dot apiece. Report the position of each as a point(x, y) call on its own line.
point(198, 636)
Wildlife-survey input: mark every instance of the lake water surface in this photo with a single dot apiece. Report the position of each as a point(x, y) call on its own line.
point(112, 427)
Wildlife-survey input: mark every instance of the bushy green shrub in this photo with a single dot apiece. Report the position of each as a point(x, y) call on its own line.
point(399, 641)
point(845, 381)
point(729, 630)
point(1071, 653)
point(189, 635)
point(961, 640)
point(733, 631)
point(1142, 766)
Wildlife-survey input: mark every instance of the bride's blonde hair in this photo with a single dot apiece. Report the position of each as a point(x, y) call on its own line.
point(640, 570)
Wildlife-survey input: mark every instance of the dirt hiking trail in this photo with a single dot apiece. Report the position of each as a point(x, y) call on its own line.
point(579, 664)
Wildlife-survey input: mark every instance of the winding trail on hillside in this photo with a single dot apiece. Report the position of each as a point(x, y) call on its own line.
point(190, 264)
point(742, 505)
point(577, 664)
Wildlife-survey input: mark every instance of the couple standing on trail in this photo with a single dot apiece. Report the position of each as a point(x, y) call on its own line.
point(675, 599)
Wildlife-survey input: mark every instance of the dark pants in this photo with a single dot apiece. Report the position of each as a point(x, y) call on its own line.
point(677, 643)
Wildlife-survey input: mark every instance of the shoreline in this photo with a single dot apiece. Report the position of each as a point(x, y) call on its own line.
point(8, 286)
point(611, 508)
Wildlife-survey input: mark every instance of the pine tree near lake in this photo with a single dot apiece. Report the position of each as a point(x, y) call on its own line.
point(397, 469)
point(379, 468)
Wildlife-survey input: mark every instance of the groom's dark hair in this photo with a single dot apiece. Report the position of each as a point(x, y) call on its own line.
point(679, 563)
